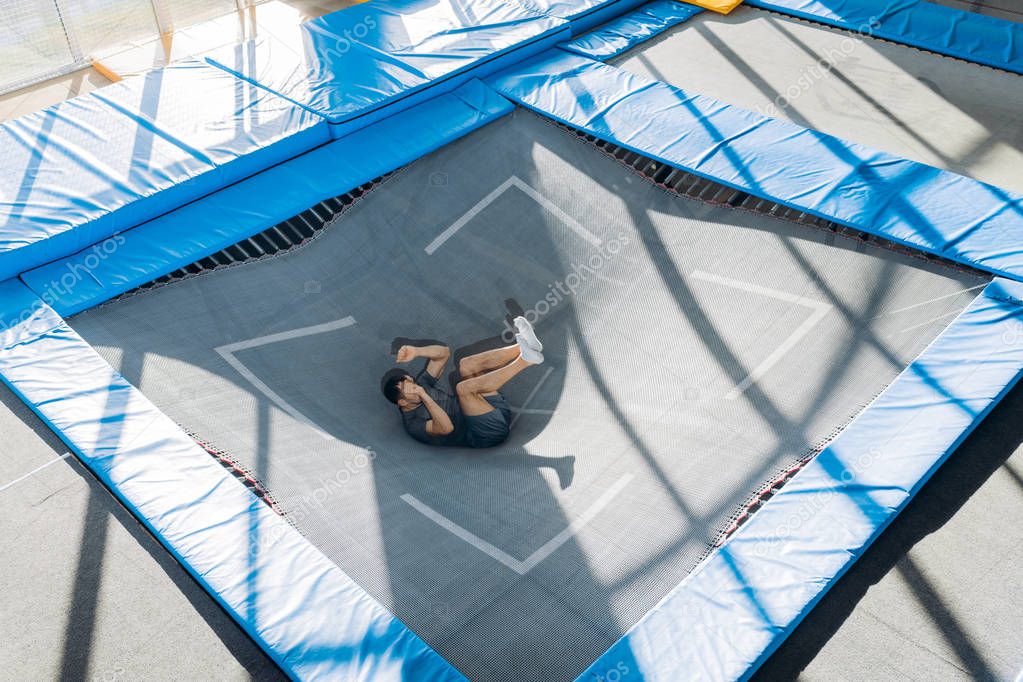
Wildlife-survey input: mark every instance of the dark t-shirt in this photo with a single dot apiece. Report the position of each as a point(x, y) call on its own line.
point(415, 420)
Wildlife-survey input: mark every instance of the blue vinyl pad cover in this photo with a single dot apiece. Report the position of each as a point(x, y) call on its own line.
point(302, 609)
point(348, 64)
point(623, 33)
point(904, 201)
point(582, 14)
point(945, 30)
point(729, 615)
point(212, 223)
point(77, 172)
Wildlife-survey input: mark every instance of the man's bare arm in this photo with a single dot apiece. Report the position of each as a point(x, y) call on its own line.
point(437, 355)
point(440, 423)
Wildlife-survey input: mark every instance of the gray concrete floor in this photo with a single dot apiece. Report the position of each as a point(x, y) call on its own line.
point(86, 592)
point(938, 595)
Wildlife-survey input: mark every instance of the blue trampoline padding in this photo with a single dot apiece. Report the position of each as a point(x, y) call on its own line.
point(351, 63)
point(729, 615)
point(310, 617)
point(214, 222)
point(584, 15)
point(624, 33)
point(77, 172)
point(238, 127)
point(908, 202)
point(945, 30)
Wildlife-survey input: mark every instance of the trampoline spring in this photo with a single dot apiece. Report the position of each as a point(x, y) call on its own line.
point(695, 187)
point(749, 202)
point(334, 205)
point(322, 213)
point(254, 245)
point(293, 234)
point(738, 198)
point(275, 235)
point(236, 253)
point(685, 186)
point(722, 192)
point(304, 227)
point(672, 178)
point(265, 243)
point(219, 259)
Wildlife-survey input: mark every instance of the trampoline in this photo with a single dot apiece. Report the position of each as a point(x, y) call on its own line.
point(761, 338)
point(937, 110)
point(694, 352)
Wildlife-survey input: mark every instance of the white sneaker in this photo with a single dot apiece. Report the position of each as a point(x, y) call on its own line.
point(528, 333)
point(527, 352)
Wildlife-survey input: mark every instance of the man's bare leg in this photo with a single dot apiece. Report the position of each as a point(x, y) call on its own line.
point(480, 363)
point(472, 392)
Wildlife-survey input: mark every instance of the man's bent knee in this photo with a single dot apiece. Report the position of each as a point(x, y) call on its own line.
point(467, 388)
point(466, 368)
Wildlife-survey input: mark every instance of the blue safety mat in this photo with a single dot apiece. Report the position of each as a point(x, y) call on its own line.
point(284, 593)
point(624, 33)
point(196, 230)
point(741, 603)
point(907, 202)
point(583, 14)
point(348, 65)
point(77, 172)
point(945, 30)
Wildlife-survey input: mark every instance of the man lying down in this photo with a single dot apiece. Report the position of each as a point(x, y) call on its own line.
point(477, 416)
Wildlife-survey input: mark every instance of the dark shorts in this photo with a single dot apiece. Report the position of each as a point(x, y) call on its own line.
point(490, 429)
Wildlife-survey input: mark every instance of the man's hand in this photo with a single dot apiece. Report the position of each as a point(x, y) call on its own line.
point(406, 354)
point(437, 356)
point(410, 387)
point(440, 423)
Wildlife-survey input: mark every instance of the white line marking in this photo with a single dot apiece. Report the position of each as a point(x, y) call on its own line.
point(529, 398)
point(931, 300)
point(549, 547)
point(819, 308)
point(456, 530)
point(930, 321)
point(513, 181)
point(34, 472)
point(227, 352)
